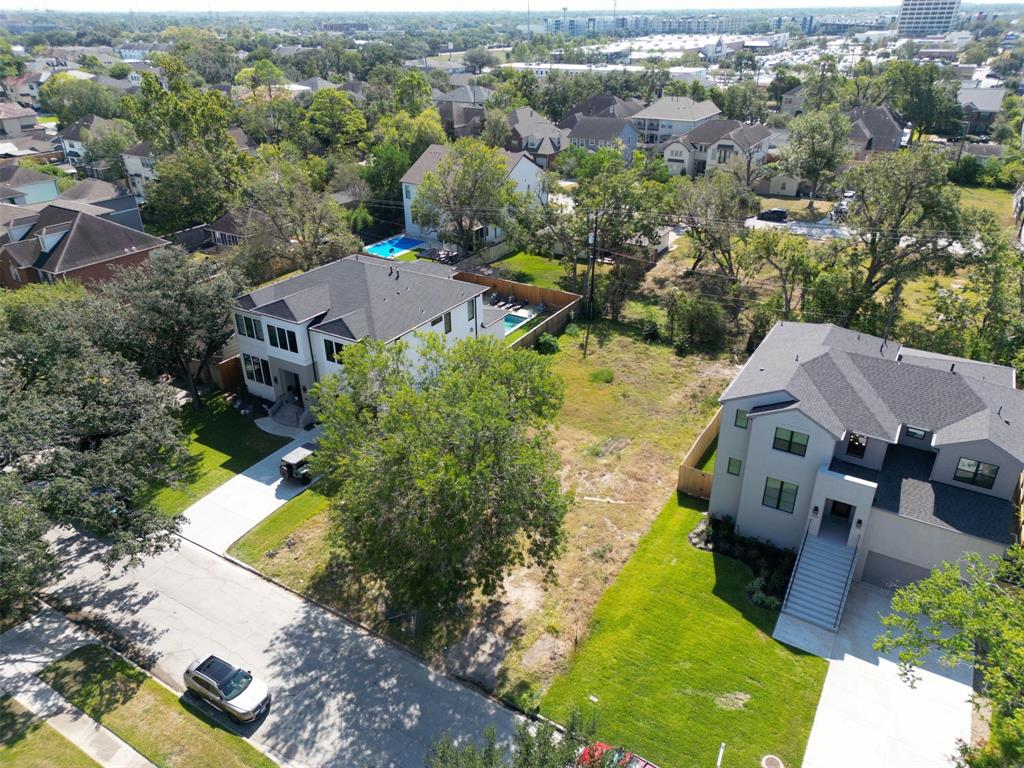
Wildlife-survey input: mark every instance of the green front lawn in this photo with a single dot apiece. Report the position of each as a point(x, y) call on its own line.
point(680, 661)
point(28, 742)
point(224, 443)
point(146, 715)
point(272, 534)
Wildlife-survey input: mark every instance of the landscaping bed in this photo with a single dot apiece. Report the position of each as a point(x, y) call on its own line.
point(223, 443)
point(28, 742)
point(167, 730)
point(679, 660)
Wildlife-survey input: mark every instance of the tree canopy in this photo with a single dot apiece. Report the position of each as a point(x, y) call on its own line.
point(442, 472)
point(468, 190)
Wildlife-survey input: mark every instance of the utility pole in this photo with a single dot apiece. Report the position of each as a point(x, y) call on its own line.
point(591, 268)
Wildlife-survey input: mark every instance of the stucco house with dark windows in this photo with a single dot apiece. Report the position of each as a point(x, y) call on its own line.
point(873, 461)
point(294, 332)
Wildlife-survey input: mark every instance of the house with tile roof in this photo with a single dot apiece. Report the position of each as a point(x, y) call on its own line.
point(63, 242)
point(872, 460)
point(525, 175)
point(714, 143)
point(294, 332)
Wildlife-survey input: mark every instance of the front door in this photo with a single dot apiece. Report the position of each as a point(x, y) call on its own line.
point(295, 387)
point(841, 510)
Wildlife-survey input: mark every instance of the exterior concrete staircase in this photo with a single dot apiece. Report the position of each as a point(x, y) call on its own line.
point(820, 582)
point(289, 414)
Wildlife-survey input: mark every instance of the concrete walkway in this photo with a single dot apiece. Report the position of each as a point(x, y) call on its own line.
point(868, 716)
point(225, 514)
point(29, 647)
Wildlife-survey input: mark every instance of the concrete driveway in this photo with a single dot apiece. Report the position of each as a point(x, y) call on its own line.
point(341, 696)
point(225, 514)
point(867, 716)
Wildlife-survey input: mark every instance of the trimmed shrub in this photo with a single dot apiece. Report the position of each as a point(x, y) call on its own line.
point(603, 376)
point(547, 344)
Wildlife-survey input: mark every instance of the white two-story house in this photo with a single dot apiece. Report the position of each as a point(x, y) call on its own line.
point(714, 143)
point(671, 116)
point(873, 461)
point(294, 332)
point(525, 175)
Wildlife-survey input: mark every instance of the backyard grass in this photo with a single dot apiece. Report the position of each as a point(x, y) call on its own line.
point(146, 715)
point(28, 742)
point(707, 461)
point(680, 661)
point(223, 443)
point(998, 201)
point(541, 271)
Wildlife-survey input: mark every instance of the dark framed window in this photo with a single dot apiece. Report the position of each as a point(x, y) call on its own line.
point(436, 321)
point(789, 441)
point(855, 445)
point(257, 369)
point(248, 326)
point(917, 434)
point(282, 338)
point(335, 351)
point(471, 310)
point(734, 466)
point(779, 494)
point(741, 418)
point(974, 472)
point(447, 322)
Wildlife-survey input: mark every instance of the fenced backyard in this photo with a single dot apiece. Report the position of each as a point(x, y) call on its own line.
point(694, 470)
point(564, 304)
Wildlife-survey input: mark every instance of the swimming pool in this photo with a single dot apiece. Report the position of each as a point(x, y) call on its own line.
point(394, 246)
point(514, 321)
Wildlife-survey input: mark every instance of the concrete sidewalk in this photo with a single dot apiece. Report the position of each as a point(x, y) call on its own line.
point(225, 514)
point(29, 647)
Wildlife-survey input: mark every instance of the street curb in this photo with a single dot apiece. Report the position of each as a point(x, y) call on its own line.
point(373, 633)
point(179, 695)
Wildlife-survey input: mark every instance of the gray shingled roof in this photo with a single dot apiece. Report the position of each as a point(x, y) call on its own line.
point(363, 297)
point(91, 191)
point(678, 108)
point(846, 380)
point(433, 155)
point(87, 240)
point(982, 99)
point(905, 488)
point(598, 128)
point(88, 123)
point(14, 175)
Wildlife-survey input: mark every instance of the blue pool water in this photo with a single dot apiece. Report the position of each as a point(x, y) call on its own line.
point(393, 246)
point(512, 322)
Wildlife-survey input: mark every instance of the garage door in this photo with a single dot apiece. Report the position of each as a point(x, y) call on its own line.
point(884, 571)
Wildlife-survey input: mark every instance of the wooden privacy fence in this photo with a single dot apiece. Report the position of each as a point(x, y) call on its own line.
point(694, 481)
point(553, 324)
point(563, 302)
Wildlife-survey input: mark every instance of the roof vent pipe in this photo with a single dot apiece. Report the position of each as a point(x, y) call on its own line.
point(952, 367)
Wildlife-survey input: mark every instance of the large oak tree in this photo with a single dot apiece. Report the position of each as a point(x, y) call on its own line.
point(442, 472)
